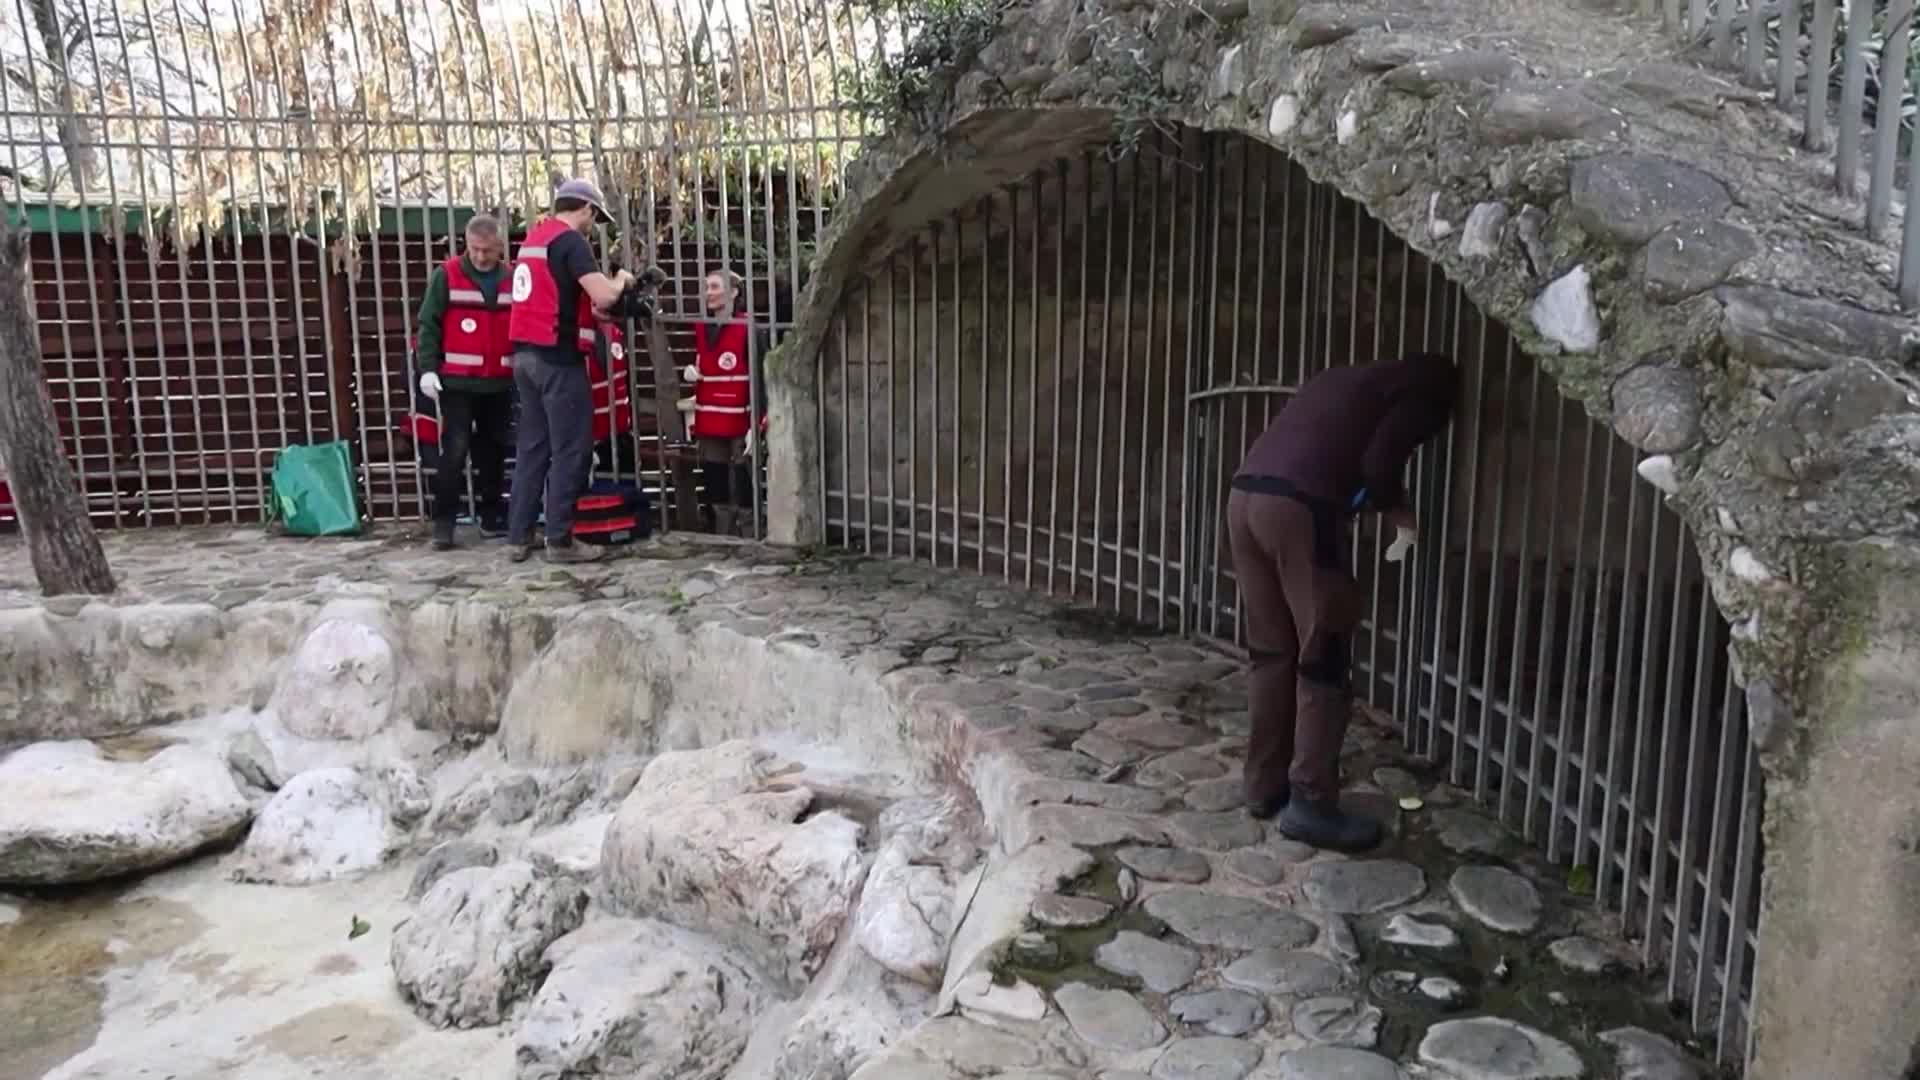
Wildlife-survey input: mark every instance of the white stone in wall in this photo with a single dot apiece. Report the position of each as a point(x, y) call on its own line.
point(1747, 566)
point(1283, 115)
point(69, 814)
point(477, 943)
point(716, 841)
point(324, 824)
point(342, 682)
point(1564, 313)
point(1658, 471)
point(639, 1000)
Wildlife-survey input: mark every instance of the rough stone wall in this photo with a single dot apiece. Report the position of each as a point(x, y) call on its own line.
point(1644, 229)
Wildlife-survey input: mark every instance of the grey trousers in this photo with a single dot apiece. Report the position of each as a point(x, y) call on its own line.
point(551, 456)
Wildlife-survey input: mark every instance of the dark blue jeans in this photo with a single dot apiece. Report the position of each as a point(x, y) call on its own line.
point(556, 437)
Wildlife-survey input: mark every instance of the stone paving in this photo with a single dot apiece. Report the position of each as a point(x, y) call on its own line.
point(1180, 940)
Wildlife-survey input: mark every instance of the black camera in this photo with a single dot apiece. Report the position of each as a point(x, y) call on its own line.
point(640, 300)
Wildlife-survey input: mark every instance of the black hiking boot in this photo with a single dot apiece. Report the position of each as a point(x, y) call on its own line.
point(521, 552)
point(1265, 809)
point(1325, 826)
point(443, 536)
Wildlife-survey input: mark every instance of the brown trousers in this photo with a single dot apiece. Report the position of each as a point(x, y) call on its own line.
point(1300, 604)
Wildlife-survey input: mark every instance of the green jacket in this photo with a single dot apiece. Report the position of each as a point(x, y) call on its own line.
point(429, 350)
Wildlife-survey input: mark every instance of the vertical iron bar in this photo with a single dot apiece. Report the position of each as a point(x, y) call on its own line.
point(1549, 629)
point(1006, 475)
point(1080, 378)
point(866, 407)
point(1496, 578)
point(1126, 379)
point(1643, 709)
point(959, 381)
point(1787, 63)
point(1707, 969)
point(986, 394)
point(893, 389)
point(1909, 275)
point(913, 399)
point(1819, 73)
point(1033, 364)
point(1150, 507)
point(1195, 433)
point(1112, 181)
point(933, 441)
point(1169, 408)
point(1733, 977)
point(1894, 58)
point(1259, 315)
point(1663, 773)
point(1597, 651)
point(1059, 372)
point(1617, 702)
point(1511, 775)
point(1473, 464)
point(1681, 948)
point(1853, 96)
point(1723, 33)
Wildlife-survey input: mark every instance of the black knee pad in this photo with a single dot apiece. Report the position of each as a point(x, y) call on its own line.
point(1330, 668)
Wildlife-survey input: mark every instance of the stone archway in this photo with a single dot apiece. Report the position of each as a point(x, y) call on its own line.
point(1636, 226)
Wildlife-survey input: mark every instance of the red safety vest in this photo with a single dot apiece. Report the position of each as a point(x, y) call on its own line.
point(473, 333)
point(723, 398)
point(612, 393)
point(536, 298)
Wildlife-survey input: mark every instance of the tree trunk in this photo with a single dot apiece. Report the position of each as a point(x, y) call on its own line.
point(53, 513)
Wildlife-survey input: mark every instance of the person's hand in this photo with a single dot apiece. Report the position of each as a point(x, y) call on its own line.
point(690, 373)
point(623, 279)
point(750, 443)
point(430, 386)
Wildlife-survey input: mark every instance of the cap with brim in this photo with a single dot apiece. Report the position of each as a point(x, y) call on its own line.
point(586, 193)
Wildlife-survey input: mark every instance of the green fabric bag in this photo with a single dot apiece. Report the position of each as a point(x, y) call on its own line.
point(313, 491)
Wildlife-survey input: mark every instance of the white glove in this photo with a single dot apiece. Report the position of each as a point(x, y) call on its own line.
point(686, 405)
point(751, 434)
point(430, 386)
point(1402, 543)
point(690, 374)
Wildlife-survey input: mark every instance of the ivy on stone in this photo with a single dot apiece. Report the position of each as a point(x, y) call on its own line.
point(934, 40)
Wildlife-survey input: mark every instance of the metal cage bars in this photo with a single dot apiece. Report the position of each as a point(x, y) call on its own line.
point(1055, 384)
point(336, 152)
point(1798, 39)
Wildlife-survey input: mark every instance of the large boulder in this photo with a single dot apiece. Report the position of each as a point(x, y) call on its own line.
point(595, 690)
point(330, 823)
point(713, 840)
point(69, 814)
point(639, 1000)
point(343, 682)
point(477, 943)
point(906, 914)
point(853, 1011)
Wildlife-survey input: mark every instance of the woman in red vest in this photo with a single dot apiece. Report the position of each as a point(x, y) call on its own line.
point(725, 381)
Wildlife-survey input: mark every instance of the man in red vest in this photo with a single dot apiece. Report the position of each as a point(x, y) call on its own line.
point(556, 286)
point(725, 390)
point(462, 354)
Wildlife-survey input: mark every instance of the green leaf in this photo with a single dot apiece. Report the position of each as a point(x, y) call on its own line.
point(1580, 881)
point(360, 926)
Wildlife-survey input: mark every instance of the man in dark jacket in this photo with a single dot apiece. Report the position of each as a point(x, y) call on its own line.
point(460, 350)
point(1339, 446)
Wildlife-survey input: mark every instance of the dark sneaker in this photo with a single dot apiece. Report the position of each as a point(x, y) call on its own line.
point(443, 536)
point(493, 528)
point(568, 554)
point(521, 552)
point(1266, 808)
point(1325, 826)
